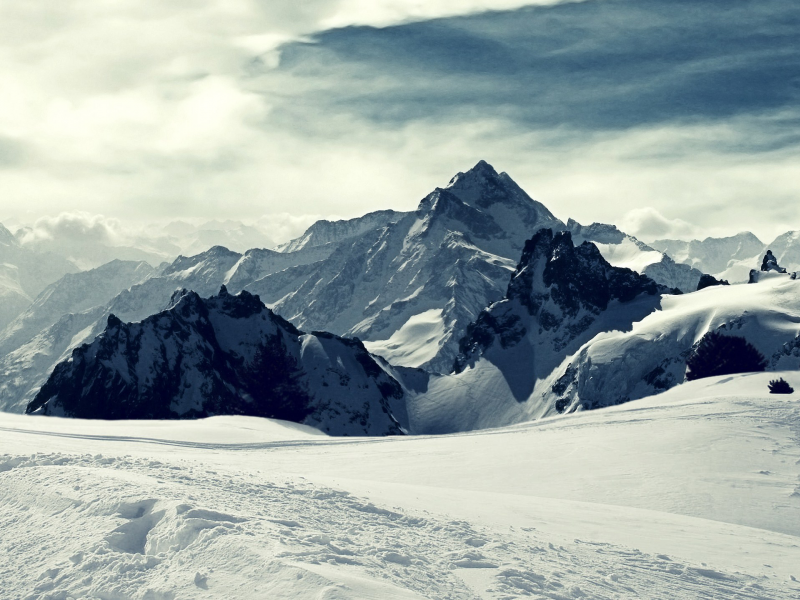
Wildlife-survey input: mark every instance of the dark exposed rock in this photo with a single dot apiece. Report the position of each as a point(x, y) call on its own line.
point(223, 355)
point(561, 287)
point(709, 281)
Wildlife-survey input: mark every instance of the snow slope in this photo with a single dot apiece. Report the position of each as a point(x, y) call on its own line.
point(691, 494)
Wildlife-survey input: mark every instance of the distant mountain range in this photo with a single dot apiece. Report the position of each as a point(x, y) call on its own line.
point(483, 306)
point(731, 258)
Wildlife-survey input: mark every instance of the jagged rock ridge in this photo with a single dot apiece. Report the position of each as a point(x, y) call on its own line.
point(562, 287)
point(560, 297)
point(224, 355)
point(623, 250)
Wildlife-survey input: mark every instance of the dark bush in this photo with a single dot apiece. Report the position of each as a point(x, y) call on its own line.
point(780, 386)
point(719, 354)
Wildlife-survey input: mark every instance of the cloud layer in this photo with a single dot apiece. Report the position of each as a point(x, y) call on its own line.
point(238, 108)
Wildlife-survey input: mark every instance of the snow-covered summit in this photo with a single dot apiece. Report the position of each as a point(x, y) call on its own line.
point(441, 265)
point(224, 355)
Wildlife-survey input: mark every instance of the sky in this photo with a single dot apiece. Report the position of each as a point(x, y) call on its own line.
point(669, 118)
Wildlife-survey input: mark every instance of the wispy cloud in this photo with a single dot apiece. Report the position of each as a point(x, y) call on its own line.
point(239, 109)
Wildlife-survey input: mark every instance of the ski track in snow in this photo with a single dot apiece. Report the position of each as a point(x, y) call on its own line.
point(137, 528)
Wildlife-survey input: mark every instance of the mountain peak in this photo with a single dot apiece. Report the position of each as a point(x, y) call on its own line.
point(481, 176)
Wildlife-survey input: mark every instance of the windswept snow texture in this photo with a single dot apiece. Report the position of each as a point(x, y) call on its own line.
point(622, 250)
point(454, 255)
point(694, 493)
point(227, 355)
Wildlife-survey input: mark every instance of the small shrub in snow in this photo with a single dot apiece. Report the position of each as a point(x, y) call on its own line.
point(780, 386)
point(719, 354)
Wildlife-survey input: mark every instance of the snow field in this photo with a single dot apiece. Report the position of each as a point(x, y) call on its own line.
point(691, 494)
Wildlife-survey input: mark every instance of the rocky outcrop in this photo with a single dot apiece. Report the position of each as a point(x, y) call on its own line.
point(225, 355)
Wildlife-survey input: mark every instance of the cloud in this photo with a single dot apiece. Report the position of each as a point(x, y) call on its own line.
point(236, 109)
point(648, 224)
point(597, 65)
point(74, 228)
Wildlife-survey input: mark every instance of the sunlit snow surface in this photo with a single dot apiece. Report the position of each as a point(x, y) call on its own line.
point(690, 494)
point(415, 343)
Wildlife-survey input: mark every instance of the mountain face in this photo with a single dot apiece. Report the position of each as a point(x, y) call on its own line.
point(325, 232)
point(411, 287)
point(24, 273)
point(224, 355)
point(35, 343)
point(13, 299)
point(59, 318)
point(622, 250)
point(651, 356)
point(28, 362)
point(716, 256)
point(73, 293)
point(560, 297)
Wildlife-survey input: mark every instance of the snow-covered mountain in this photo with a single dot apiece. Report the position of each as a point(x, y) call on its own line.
point(786, 248)
point(62, 316)
point(411, 287)
point(24, 273)
point(560, 297)
point(623, 250)
point(651, 356)
point(331, 232)
point(73, 293)
point(35, 344)
point(224, 355)
point(732, 258)
point(523, 360)
point(713, 255)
